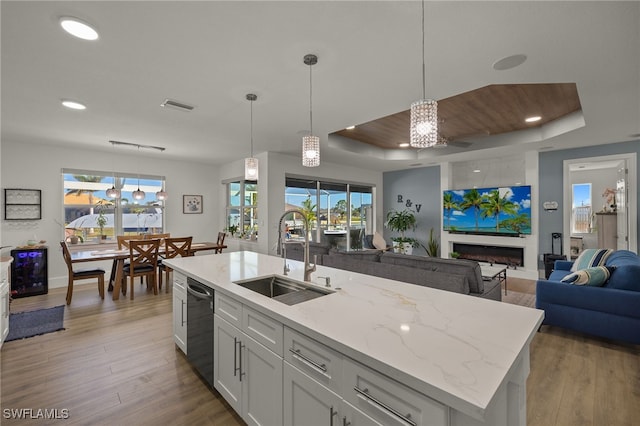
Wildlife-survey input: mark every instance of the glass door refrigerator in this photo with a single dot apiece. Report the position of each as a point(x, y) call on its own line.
point(29, 272)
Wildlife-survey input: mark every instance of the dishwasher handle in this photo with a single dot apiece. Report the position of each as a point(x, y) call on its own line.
point(199, 291)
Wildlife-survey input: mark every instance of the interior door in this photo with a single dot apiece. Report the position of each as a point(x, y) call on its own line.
point(622, 207)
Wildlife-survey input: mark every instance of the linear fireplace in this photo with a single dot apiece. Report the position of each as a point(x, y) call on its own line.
point(510, 256)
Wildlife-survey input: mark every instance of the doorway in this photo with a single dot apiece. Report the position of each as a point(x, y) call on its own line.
point(602, 175)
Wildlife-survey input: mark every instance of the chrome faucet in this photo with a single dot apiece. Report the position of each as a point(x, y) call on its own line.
point(308, 268)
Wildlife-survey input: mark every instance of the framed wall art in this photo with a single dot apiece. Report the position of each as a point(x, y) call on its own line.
point(192, 204)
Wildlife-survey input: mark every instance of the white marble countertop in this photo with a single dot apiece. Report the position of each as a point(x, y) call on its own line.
point(454, 348)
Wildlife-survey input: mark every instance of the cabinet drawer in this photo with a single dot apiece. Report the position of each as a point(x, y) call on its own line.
point(313, 358)
point(388, 401)
point(179, 282)
point(228, 308)
point(262, 328)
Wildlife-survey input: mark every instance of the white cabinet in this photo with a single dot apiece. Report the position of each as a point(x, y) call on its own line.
point(324, 387)
point(4, 299)
point(245, 372)
point(180, 310)
point(607, 224)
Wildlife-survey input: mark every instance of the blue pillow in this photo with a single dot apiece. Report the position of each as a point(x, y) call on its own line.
point(590, 258)
point(625, 277)
point(596, 276)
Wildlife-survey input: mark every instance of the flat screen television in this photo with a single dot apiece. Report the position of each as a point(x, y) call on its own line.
point(504, 211)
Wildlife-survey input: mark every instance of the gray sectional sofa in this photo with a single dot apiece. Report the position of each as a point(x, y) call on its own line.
point(457, 275)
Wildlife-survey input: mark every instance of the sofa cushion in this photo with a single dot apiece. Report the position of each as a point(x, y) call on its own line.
point(596, 276)
point(379, 242)
point(590, 258)
point(625, 277)
point(358, 255)
point(470, 269)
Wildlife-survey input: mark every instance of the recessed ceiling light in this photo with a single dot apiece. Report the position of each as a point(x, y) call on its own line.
point(533, 119)
point(351, 127)
point(77, 28)
point(403, 145)
point(73, 104)
point(476, 171)
point(509, 62)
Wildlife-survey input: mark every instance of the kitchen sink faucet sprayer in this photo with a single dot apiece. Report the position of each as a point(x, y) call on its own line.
point(308, 268)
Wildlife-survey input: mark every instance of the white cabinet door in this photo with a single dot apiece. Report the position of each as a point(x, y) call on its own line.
point(180, 312)
point(307, 402)
point(226, 362)
point(261, 376)
point(351, 416)
point(4, 310)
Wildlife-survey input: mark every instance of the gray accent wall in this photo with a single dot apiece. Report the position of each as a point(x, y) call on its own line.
point(419, 186)
point(551, 183)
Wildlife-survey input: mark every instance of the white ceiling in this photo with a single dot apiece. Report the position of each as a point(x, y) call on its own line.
point(211, 54)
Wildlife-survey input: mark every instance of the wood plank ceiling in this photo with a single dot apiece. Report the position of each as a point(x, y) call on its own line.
point(490, 110)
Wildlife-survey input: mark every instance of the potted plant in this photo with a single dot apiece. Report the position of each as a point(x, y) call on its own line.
point(433, 245)
point(101, 220)
point(402, 221)
point(232, 230)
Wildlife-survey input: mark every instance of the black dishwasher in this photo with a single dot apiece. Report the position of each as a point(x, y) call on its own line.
point(200, 328)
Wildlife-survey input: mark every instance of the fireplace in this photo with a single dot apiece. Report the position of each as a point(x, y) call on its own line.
point(510, 256)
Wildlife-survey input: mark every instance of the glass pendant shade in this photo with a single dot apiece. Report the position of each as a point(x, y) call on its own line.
point(251, 168)
point(423, 132)
point(161, 195)
point(113, 192)
point(138, 194)
point(311, 151)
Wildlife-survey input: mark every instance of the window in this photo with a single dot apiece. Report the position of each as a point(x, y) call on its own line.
point(581, 208)
point(86, 205)
point(242, 209)
point(342, 212)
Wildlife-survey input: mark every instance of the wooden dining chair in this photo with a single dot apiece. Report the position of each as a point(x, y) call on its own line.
point(80, 274)
point(143, 262)
point(174, 247)
point(220, 241)
point(123, 243)
point(160, 237)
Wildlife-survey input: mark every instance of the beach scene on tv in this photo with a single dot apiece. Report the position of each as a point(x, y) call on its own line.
point(491, 211)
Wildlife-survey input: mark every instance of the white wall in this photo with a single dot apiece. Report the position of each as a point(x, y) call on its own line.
point(273, 169)
point(39, 166)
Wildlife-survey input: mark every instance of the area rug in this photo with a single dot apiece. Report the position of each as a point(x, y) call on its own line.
point(34, 323)
point(522, 299)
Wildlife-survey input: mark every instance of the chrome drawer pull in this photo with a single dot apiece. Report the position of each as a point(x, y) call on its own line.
point(365, 394)
point(321, 367)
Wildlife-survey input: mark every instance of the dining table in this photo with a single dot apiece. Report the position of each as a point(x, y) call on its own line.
point(120, 255)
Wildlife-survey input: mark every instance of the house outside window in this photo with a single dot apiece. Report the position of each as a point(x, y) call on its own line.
point(87, 207)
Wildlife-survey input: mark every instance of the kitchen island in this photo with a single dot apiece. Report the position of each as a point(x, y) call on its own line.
point(468, 356)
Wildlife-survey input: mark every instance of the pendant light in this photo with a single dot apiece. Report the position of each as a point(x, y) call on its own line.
point(162, 194)
point(423, 132)
point(138, 194)
point(251, 163)
point(310, 143)
point(113, 192)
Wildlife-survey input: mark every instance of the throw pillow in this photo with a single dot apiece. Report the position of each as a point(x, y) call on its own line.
point(590, 258)
point(379, 242)
point(596, 276)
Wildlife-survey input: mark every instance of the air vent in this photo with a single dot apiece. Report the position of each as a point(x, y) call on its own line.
point(170, 103)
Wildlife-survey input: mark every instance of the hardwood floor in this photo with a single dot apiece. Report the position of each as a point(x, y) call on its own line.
point(116, 364)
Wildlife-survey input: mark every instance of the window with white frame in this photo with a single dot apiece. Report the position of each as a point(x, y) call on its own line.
point(90, 214)
point(242, 209)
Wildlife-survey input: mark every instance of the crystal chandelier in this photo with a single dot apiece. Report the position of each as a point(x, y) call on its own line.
point(310, 144)
point(423, 132)
point(251, 163)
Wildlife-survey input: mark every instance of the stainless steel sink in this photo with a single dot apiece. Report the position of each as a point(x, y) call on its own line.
point(285, 290)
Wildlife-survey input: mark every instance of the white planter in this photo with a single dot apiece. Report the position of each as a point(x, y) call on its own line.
point(402, 248)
